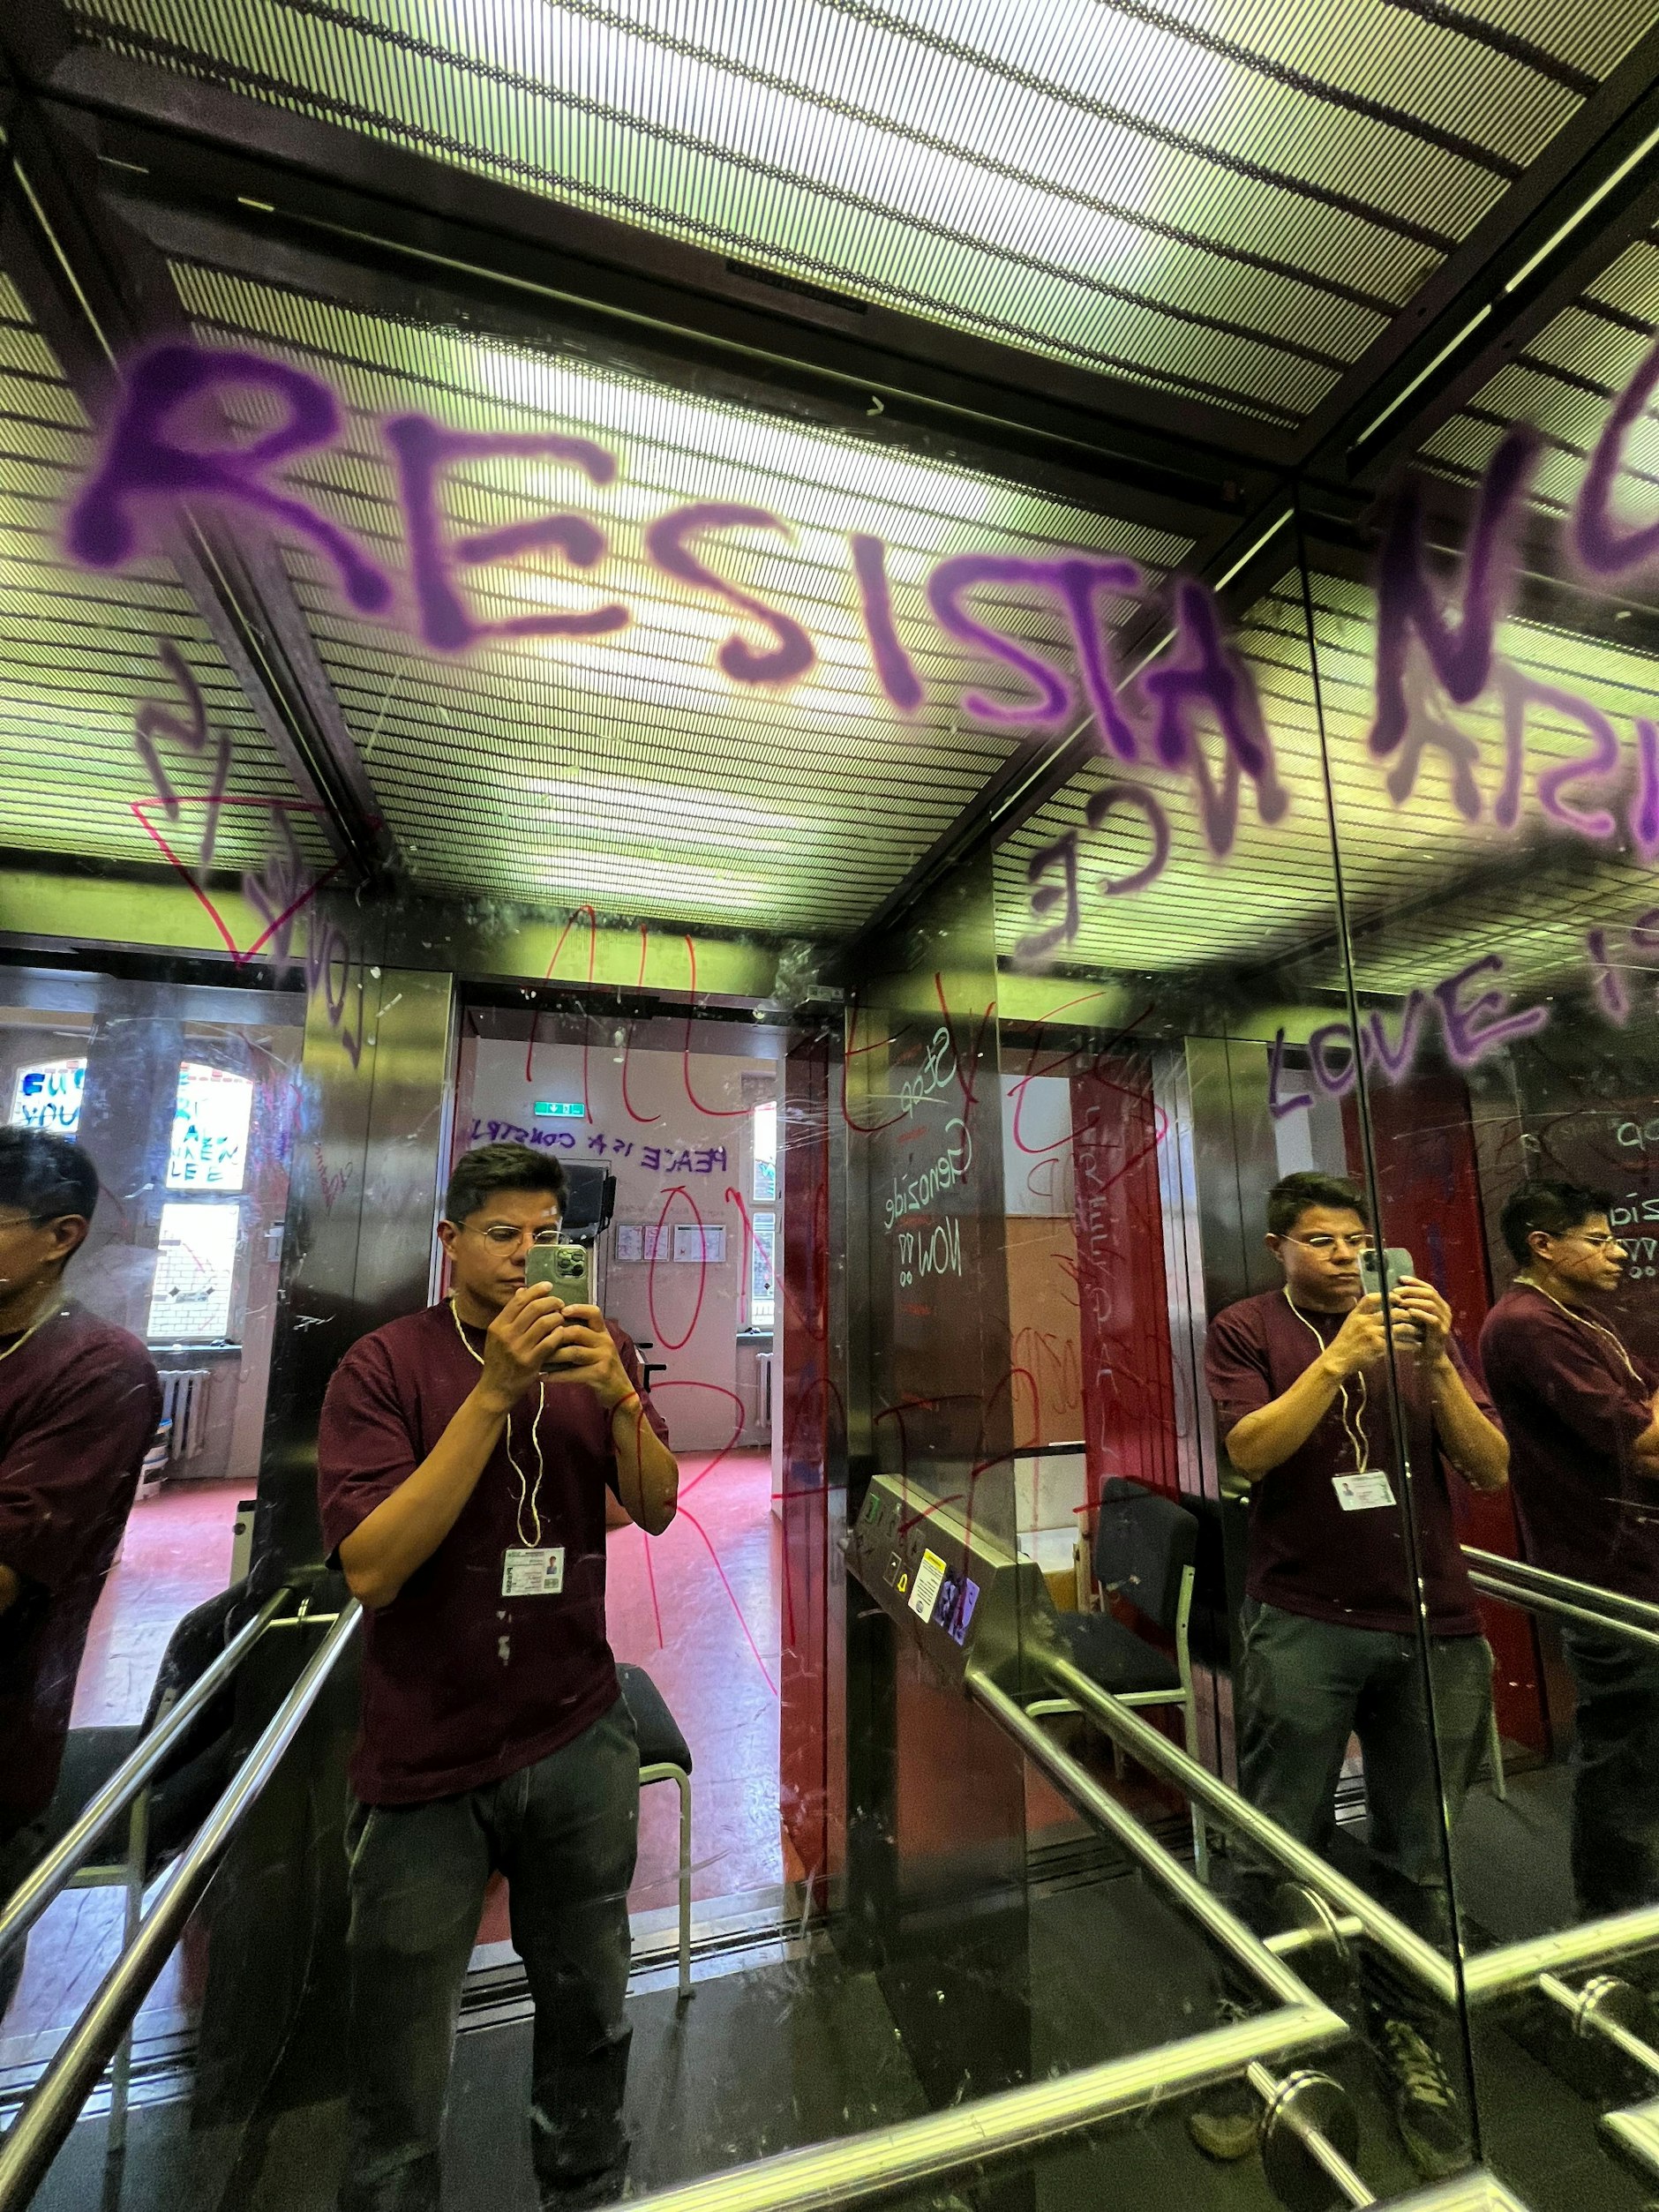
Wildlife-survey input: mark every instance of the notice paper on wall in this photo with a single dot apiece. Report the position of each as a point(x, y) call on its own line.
point(692, 1242)
point(929, 1575)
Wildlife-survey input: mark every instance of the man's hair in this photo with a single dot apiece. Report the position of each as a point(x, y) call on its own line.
point(488, 1168)
point(1290, 1199)
point(1553, 1207)
point(46, 1176)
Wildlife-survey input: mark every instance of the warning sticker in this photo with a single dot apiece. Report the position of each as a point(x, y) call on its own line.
point(929, 1575)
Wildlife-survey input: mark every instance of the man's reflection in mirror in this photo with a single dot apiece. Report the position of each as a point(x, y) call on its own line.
point(464, 1460)
point(1580, 1409)
point(1301, 1387)
point(79, 1402)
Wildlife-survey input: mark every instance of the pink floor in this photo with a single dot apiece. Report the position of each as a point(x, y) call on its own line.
point(698, 1607)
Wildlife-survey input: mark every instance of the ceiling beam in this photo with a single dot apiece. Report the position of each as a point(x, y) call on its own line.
point(96, 288)
point(431, 217)
point(355, 273)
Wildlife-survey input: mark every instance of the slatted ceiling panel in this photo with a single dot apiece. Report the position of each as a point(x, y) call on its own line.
point(1273, 888)
point(78, 655)
point(793, 812)
point(1564, 383)
point(1223, 199)
point(1425, 891)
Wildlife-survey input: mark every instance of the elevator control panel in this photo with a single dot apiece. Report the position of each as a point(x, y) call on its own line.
point(958, 1591)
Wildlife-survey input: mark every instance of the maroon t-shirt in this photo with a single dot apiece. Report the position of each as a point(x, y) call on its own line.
point(461, 1685)
point(1308, 1553)
point(79, 1403)
point(1572, 1410)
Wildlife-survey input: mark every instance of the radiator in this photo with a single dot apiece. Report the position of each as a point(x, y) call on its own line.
point(184, 1403)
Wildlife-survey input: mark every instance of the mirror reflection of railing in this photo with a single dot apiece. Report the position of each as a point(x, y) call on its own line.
point(57, 1870)
point(44, 2124)
point(1518, 1582)
point(1231, 1811)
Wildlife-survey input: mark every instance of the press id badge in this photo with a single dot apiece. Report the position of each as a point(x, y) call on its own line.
point(1356, 1493)
point(533, 1574)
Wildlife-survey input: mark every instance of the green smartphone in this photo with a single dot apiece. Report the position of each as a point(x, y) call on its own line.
point(1392, 1266)
point(567, 1267)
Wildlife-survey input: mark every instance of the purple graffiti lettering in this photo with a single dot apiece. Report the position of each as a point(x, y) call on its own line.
point(945, 587)
point(1511, 689)
point(1644, 800)
point(665, 543)
point(1393, 1059)
point(1276, 1105)
point(1044, 899)
point(1609, 984)
point(142, 461)
point(425, 450)
point(1602, 759)
point(894, 670)
point(1467, 1043)
point(1110, 795)
point(1425, 727)
point(1600, 544)
point(1338, 1037)
point(278, 893)
point(153, 719)
point(1079, 582)
point(1212, 677)
point(335, 949)
point(1644, 934)
point(1407, 600)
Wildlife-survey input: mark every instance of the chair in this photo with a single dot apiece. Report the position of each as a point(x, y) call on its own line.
point(1146, 1552)
point(665, 1756)
point(172, 1804)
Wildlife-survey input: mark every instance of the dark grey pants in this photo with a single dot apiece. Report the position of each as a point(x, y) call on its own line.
point(1307, 1686)
point(1616, 1775)
point(564, 1832)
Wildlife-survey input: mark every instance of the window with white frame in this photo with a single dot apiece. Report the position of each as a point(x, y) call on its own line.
point(763, 1295)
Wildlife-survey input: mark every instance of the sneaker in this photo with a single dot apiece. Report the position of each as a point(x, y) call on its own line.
point(1431, 2121)
point(1228, 2123)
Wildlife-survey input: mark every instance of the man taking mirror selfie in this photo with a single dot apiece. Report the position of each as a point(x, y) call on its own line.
point(464, 1461)
point(1331, 1650)
point(79, 1402)
point(1580, 1409)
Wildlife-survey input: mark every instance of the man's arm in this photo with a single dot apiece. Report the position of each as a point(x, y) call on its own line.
point(404, 1530)
point(1469, 1438)
point(1266, 1439)
point(10, 1589)
point(648, 1473)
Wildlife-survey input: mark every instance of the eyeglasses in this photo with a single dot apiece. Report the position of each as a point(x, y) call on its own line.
point(1597, 1243)
point(503, 1235)
point(1325, 1244)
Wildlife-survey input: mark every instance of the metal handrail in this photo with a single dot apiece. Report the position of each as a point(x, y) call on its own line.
point(1564, 1609)
point(1612, 1607)
point(53, 1874)
point(915, 2154)
point(41, 2128)
point(1097, 1805)
point(1158, 1754)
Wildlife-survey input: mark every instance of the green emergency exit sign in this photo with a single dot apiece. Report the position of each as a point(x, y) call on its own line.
point(562, 1109)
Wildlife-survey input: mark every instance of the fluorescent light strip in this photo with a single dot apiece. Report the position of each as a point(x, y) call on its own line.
point(1423, 375)
point(1589, 206)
